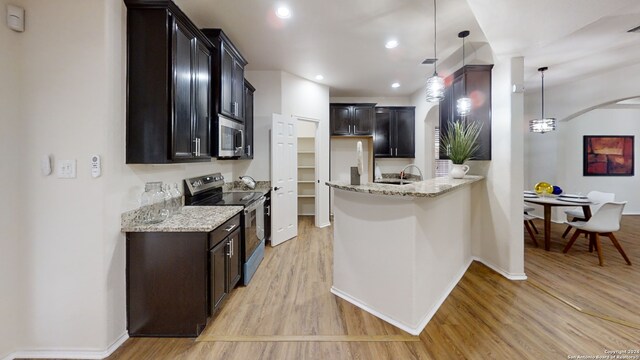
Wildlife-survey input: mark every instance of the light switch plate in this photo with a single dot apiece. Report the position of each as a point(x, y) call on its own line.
point(66, 169)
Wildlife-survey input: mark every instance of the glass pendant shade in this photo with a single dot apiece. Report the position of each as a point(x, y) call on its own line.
point(542, 126)
point(435, 84)
point(435, 88)
point(463, 105)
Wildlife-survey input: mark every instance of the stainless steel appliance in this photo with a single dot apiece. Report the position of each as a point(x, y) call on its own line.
point(230, 138)
point(207, 191)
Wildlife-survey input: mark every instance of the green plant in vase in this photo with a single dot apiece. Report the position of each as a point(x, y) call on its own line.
point(460, 143)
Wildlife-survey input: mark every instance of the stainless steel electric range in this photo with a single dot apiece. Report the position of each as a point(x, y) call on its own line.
point(207, 191)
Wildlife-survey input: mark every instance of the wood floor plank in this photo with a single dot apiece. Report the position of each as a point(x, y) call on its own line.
point(308, 338)
point(485, 317)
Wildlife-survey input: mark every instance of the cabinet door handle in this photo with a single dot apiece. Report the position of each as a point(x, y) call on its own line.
point(231, 242)
point(196, 151)
point(229, 249)
point(268, 210)
point(248, 150)
point(396, 151)
point(349, 129)
point(231, 227)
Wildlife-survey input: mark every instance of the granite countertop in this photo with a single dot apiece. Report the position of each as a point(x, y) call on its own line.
point(238, 186)
point(426, 188)
point(191, 219)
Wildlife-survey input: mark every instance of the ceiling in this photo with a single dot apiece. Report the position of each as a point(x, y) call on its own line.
point(574, 38)
point(344, 40)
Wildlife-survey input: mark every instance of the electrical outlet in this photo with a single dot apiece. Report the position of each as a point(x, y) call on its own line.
point(66, 169)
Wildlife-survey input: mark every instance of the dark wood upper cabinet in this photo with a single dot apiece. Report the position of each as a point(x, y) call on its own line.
point(352, 119)
point(168, 98)
point(394, 132)
point(476, 79)
point(382, 138)
point(248, 120)
point(228, 76)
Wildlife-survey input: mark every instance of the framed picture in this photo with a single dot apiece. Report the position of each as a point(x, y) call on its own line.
point(608, 155)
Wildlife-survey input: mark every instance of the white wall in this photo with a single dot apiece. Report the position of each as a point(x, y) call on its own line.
point(12, 212)
point(282, 93)
point(564, 102)
point(72, 104)
point(497, 207)
point(570, 149)
point(343, 157)
point(305, 99)
point(267, 101)
point(544, 152)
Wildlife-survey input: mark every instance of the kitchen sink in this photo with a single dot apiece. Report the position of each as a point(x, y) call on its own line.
point(394, 182)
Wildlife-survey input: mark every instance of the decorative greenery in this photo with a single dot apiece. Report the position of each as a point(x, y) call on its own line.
point(460, 141)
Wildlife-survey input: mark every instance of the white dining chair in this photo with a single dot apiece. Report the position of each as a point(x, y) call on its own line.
point(528, 221)
point(604, 222)
point(596, 197)
point(527, 210)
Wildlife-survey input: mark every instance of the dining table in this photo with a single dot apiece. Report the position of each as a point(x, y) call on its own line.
point(550, 201)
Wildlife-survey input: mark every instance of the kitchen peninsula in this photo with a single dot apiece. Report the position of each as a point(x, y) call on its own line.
point(398, 250)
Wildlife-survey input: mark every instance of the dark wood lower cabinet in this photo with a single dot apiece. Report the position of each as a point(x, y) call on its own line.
point(167, 289)
point(218, 277)
point(177, 280)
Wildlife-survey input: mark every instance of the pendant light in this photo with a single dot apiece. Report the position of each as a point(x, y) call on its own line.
point(543, 124)
point(435, 84)
point(463, 105)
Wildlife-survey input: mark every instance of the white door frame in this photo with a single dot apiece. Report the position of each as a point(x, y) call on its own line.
point(316, 146)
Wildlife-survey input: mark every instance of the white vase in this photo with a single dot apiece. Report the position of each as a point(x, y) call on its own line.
point(458, 171)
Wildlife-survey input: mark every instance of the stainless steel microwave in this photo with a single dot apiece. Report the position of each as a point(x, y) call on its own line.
point(230, 137)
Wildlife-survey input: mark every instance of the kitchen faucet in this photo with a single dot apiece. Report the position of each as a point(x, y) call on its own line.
point(408, 166)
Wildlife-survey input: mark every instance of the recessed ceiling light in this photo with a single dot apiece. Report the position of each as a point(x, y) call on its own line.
point(283, 12)
point(319, 77)
point(391, 44)
point(395, 85)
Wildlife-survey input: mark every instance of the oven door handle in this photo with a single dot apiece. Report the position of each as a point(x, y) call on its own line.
point(254, 205)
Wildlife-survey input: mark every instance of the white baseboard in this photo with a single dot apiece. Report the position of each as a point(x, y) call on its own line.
point(324, 225)
point(444, 297)
point(70, 353)
point(413, 330)
point(508, 275)
point(373, 312)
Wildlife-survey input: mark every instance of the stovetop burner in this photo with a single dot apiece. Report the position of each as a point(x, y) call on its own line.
point(239, 198)
point(207, 191)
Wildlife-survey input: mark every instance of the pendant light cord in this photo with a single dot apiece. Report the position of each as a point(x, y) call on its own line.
point(542, 75)
point(435, 39)
point(463, 71)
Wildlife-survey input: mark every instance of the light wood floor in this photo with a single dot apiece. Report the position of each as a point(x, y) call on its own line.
point(485, 317)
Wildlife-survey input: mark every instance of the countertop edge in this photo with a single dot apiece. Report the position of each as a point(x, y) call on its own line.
point(427, 188)
point(192, 219)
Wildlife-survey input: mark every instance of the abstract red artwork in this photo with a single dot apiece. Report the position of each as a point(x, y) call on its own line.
point(608, 155)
